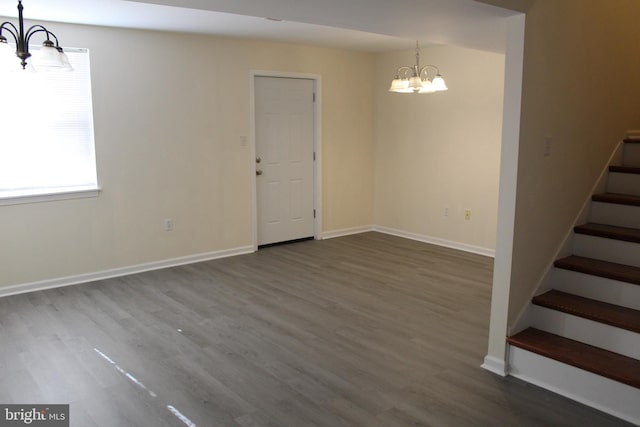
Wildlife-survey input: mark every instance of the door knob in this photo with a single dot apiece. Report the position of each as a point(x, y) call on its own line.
point(258, 159)
point(259, 172)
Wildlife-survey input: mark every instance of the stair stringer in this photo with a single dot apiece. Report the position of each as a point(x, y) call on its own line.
point(524, 317)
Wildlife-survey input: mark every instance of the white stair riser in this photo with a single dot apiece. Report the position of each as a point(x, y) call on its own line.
point(611, 250)
point(611, 397)
point(594, 287)
point(631, 156)
point(587, 331)
point(624, 183)
point(614, 214)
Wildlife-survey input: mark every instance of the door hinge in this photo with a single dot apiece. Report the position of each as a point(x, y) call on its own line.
point(314, 213)
point(314, 156)
point(314, 97)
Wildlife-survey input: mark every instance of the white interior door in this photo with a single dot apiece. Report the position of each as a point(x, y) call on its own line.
point(284, 135)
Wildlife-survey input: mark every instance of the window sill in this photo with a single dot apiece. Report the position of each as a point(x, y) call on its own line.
point(50, 197)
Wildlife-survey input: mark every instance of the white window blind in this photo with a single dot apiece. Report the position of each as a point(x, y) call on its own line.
point(46, 130)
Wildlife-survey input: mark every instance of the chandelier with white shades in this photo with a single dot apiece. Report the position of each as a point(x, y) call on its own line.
point(49, 57)
point(418, 80)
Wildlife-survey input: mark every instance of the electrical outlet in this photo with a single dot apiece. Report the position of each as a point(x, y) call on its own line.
point(168, 224)
point(467, 214)
point(445, 211)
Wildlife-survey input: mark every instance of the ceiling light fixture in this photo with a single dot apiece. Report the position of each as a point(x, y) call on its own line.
point(50, 57)
point(416, 80)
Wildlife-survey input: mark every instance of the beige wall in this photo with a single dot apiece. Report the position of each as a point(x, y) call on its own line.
point(440, 150)
point(580, 85)
point(169, 111)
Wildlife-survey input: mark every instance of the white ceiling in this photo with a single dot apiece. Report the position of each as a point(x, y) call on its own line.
point(366, 25)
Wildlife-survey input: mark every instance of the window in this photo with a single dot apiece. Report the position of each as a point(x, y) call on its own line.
point(46, 131)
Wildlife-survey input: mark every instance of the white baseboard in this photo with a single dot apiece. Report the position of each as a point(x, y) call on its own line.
point(436, 241)
point(346, 231)
point(118, 272)
point(495, 365)
point(157, 265)
point(413, 236)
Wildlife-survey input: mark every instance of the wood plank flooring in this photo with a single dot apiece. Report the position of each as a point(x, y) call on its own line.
point(364, 330)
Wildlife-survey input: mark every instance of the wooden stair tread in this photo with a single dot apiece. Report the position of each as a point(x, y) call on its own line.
point(632, 141)
point(598, 311)
point(609, 231)
point(625, 169)
point(621, 199)
point(593, 359)
point(596, 267)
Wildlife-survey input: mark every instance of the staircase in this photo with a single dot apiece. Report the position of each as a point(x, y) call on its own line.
point(584, 339)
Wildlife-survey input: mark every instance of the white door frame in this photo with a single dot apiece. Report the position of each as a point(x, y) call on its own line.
point(317, 165)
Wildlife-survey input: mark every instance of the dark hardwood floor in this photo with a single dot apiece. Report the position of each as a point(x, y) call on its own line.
point(365, 330)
